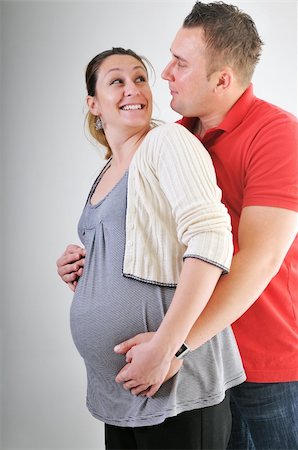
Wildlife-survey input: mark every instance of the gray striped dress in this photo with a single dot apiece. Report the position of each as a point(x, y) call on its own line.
point(108, 308)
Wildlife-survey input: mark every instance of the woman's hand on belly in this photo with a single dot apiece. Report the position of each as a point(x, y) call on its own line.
point(70, 265)
point(145, 372)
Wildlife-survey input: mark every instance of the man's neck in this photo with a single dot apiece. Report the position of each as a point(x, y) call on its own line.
point(203, 124)
point(213, 120)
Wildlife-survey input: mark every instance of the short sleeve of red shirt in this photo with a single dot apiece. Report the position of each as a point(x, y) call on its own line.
point(271, 177)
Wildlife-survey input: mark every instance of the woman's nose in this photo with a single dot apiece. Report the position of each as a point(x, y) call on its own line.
point(131, 89)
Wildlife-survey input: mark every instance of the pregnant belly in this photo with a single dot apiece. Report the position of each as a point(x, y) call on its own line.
point(96, 329)
point(101, 319)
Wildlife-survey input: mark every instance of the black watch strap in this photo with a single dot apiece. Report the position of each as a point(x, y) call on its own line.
point(183, 350)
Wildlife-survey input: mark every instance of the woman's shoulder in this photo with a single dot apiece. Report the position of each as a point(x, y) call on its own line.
point(170, 135)
point(174, 137)
point(169, 129)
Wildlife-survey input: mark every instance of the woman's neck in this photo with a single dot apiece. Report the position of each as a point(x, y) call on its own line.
point(124, 147)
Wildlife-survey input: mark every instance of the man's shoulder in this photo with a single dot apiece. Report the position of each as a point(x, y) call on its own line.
point(265, 110)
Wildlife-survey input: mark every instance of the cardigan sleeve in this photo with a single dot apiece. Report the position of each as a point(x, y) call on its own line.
point(187, 178)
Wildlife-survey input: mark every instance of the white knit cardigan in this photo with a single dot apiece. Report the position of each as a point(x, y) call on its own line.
point(174, 208)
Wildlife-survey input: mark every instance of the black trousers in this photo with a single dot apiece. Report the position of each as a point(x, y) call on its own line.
point(200, 429)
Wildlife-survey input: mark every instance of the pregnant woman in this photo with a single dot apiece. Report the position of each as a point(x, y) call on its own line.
point(157, 238)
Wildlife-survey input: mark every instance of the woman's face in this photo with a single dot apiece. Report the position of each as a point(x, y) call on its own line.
point(123, 96)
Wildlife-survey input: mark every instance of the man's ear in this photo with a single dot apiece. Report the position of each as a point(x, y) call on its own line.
point(92, 105)
point(225, 79)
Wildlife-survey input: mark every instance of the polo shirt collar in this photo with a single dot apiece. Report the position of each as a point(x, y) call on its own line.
point(238, 111)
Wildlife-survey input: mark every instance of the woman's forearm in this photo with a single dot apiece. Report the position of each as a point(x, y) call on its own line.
point(196, 284)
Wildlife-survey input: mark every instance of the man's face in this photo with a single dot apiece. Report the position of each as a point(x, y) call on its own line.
point(191, 88)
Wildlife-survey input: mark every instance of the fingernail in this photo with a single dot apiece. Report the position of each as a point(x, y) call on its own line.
point(116, 348)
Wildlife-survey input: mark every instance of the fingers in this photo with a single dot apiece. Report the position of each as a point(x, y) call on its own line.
point(121, 376)
point(134, 387)
point(72, 286)
point(144, 390)
point(71, 278)
point(141, 390)
point(72, 260)
point(126, 377)
point(72, 248)
point(70, 265)
point(125, 346)
point(128, 356)
point(72, 253)
point(152, 390)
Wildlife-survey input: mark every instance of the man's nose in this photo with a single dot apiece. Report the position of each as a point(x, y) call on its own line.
point(167, 73)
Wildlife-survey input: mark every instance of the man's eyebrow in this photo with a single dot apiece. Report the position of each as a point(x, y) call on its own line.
point(178, 57)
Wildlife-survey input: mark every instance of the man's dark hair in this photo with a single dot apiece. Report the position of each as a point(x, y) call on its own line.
point(231, 37)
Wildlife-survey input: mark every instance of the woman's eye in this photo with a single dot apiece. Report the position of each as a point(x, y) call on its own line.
point(141, 78)
point(116, 81)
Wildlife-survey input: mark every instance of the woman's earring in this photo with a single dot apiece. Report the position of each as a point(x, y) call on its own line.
point(98, 124)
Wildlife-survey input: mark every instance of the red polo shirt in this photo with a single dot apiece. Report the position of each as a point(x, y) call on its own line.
point(254, 151)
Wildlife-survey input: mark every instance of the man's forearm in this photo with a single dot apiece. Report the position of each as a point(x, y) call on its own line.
point(265, 235)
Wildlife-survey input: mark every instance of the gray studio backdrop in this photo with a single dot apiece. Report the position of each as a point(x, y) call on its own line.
point(47, 166)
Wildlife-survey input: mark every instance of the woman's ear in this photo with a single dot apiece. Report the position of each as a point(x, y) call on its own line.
point(92, 105)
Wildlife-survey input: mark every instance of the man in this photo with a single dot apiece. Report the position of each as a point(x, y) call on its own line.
point(253, 146)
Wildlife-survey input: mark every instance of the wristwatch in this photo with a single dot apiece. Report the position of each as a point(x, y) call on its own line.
point(183, 350)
